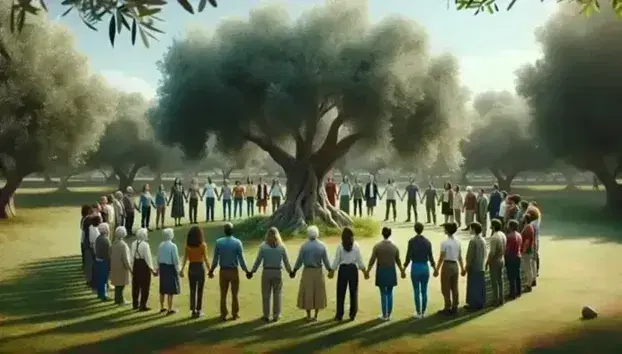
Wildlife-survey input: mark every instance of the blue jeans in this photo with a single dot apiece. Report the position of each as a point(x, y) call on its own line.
point(420, 275)
point(226, 209)
point(101, 278)
point(237, 207)
point(386, 300)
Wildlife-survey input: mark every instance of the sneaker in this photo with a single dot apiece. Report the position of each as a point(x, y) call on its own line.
point(382, 318)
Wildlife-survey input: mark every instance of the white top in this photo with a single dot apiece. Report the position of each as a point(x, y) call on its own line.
point(446, 197)
point(276, 191)
point(143, 252)
point(93, 235)
point(111, 215)
point(344, 189)
point(452, 249)
point(352, 257)
point(457, 200)
point(389, 190)
point(210, 191)
point(168, 254)
point(502, 209)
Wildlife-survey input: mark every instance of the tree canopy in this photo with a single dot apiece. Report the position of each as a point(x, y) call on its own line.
point(128, 143)
point(279, 83)
point(502, 139)
point(52, 107)
point(575, 91)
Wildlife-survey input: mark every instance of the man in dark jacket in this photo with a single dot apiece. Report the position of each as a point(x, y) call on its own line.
point(494, 202)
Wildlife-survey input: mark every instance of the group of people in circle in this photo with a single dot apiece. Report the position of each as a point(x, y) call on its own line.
point(512, 246)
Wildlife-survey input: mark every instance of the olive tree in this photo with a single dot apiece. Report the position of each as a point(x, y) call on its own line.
point(574, 91)
point(275, 82)
point(128, 143)
point(51, 107)
point(502, 139)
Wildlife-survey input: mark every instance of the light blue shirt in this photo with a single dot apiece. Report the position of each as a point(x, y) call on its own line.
point(229, 254)
point(168, 254)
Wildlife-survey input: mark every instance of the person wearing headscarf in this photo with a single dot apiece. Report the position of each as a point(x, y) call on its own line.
point(102, 261)
point(120, 265)
point(129, 204)
point(168, 270)
point(91, 222)
point(229, 255)
point(177, 197)
point(273, 254)
point(142, 269)
point(196, 254)
point(312, 290)
point(349, 261)
point(387, 255)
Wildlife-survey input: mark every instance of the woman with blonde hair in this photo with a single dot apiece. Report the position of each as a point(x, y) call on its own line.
point(312, 290)
point(120, 266)
point(273, 254)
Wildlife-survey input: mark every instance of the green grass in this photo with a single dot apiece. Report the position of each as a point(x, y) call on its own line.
point(44, 306)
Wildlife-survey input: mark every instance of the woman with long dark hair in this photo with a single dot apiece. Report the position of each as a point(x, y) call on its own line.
point(349, 261)
point(446, 201)
point(196, 255)
point(178, 198)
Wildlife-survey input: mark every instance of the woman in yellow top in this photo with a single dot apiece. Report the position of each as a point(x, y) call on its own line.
point(196, 255)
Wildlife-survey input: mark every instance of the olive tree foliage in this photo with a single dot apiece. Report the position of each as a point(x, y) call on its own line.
point(575, 90)
point(51, 107)
point(128, 142)
point(502, 139)
point(278, 83)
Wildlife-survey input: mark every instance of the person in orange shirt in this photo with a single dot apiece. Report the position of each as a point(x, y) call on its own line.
point(331, 191)
point(196, 255)
point(239, 194)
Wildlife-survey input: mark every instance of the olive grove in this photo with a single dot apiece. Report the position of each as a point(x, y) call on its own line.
point(276, 82)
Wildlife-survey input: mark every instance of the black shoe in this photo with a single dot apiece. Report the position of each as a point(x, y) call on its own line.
point(338, 319)
point(533, 285)
point(144, 309)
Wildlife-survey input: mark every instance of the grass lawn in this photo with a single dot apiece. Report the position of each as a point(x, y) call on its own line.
point(44, 306)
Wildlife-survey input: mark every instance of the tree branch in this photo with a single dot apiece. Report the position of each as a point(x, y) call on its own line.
point(279, 155)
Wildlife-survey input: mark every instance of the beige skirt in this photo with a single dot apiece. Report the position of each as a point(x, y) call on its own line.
point(312, 290)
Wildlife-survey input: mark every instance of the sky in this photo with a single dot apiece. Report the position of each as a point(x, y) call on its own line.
point(489, 47)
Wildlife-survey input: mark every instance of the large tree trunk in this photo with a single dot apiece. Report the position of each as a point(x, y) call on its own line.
point(504, 180)
point(306, 202)
point(157, 179)
point(464, 180)
point(126, 179)
point(613, 190)
point(226, 173)
point(64, 183)
point(7, 207)
point(47, 179)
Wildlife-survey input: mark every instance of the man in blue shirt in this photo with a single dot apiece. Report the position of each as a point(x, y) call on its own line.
point(229, 255)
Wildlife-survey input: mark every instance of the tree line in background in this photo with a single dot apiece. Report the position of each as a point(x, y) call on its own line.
point(331, 91)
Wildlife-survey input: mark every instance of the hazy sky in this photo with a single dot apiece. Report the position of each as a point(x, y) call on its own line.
point(490, 47)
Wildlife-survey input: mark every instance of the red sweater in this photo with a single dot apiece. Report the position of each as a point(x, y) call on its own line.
point(514, 244)
point(529, 236)
point(470, 202)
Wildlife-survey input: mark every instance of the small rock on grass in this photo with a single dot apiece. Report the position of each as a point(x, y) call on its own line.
point(588, 313)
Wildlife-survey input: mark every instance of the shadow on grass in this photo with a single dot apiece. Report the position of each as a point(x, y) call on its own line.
point(59, 198)
point(49, 290)
point(601, 335)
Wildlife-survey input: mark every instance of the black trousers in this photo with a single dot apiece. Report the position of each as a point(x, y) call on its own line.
point(145, 217)
point(512, 269)
point(390, 204)
point(411, 204)
point(430, 209)
point(209, 209)
point(196, 277)
point(347, 277)
point(129, 222)
point(141, 281)
point(118, 294)
point(193, 208)
point(250, 206)
point(358, 205)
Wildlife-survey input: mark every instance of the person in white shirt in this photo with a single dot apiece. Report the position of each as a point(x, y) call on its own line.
point(448, 262)
point(503, 207)
point(142, 269)
point(110, 210)
point(344, 195)
point(209, 193)
point(168, 270)
point(458, 205)
point(392, 194)
point(349, 261)
point(276, 193)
